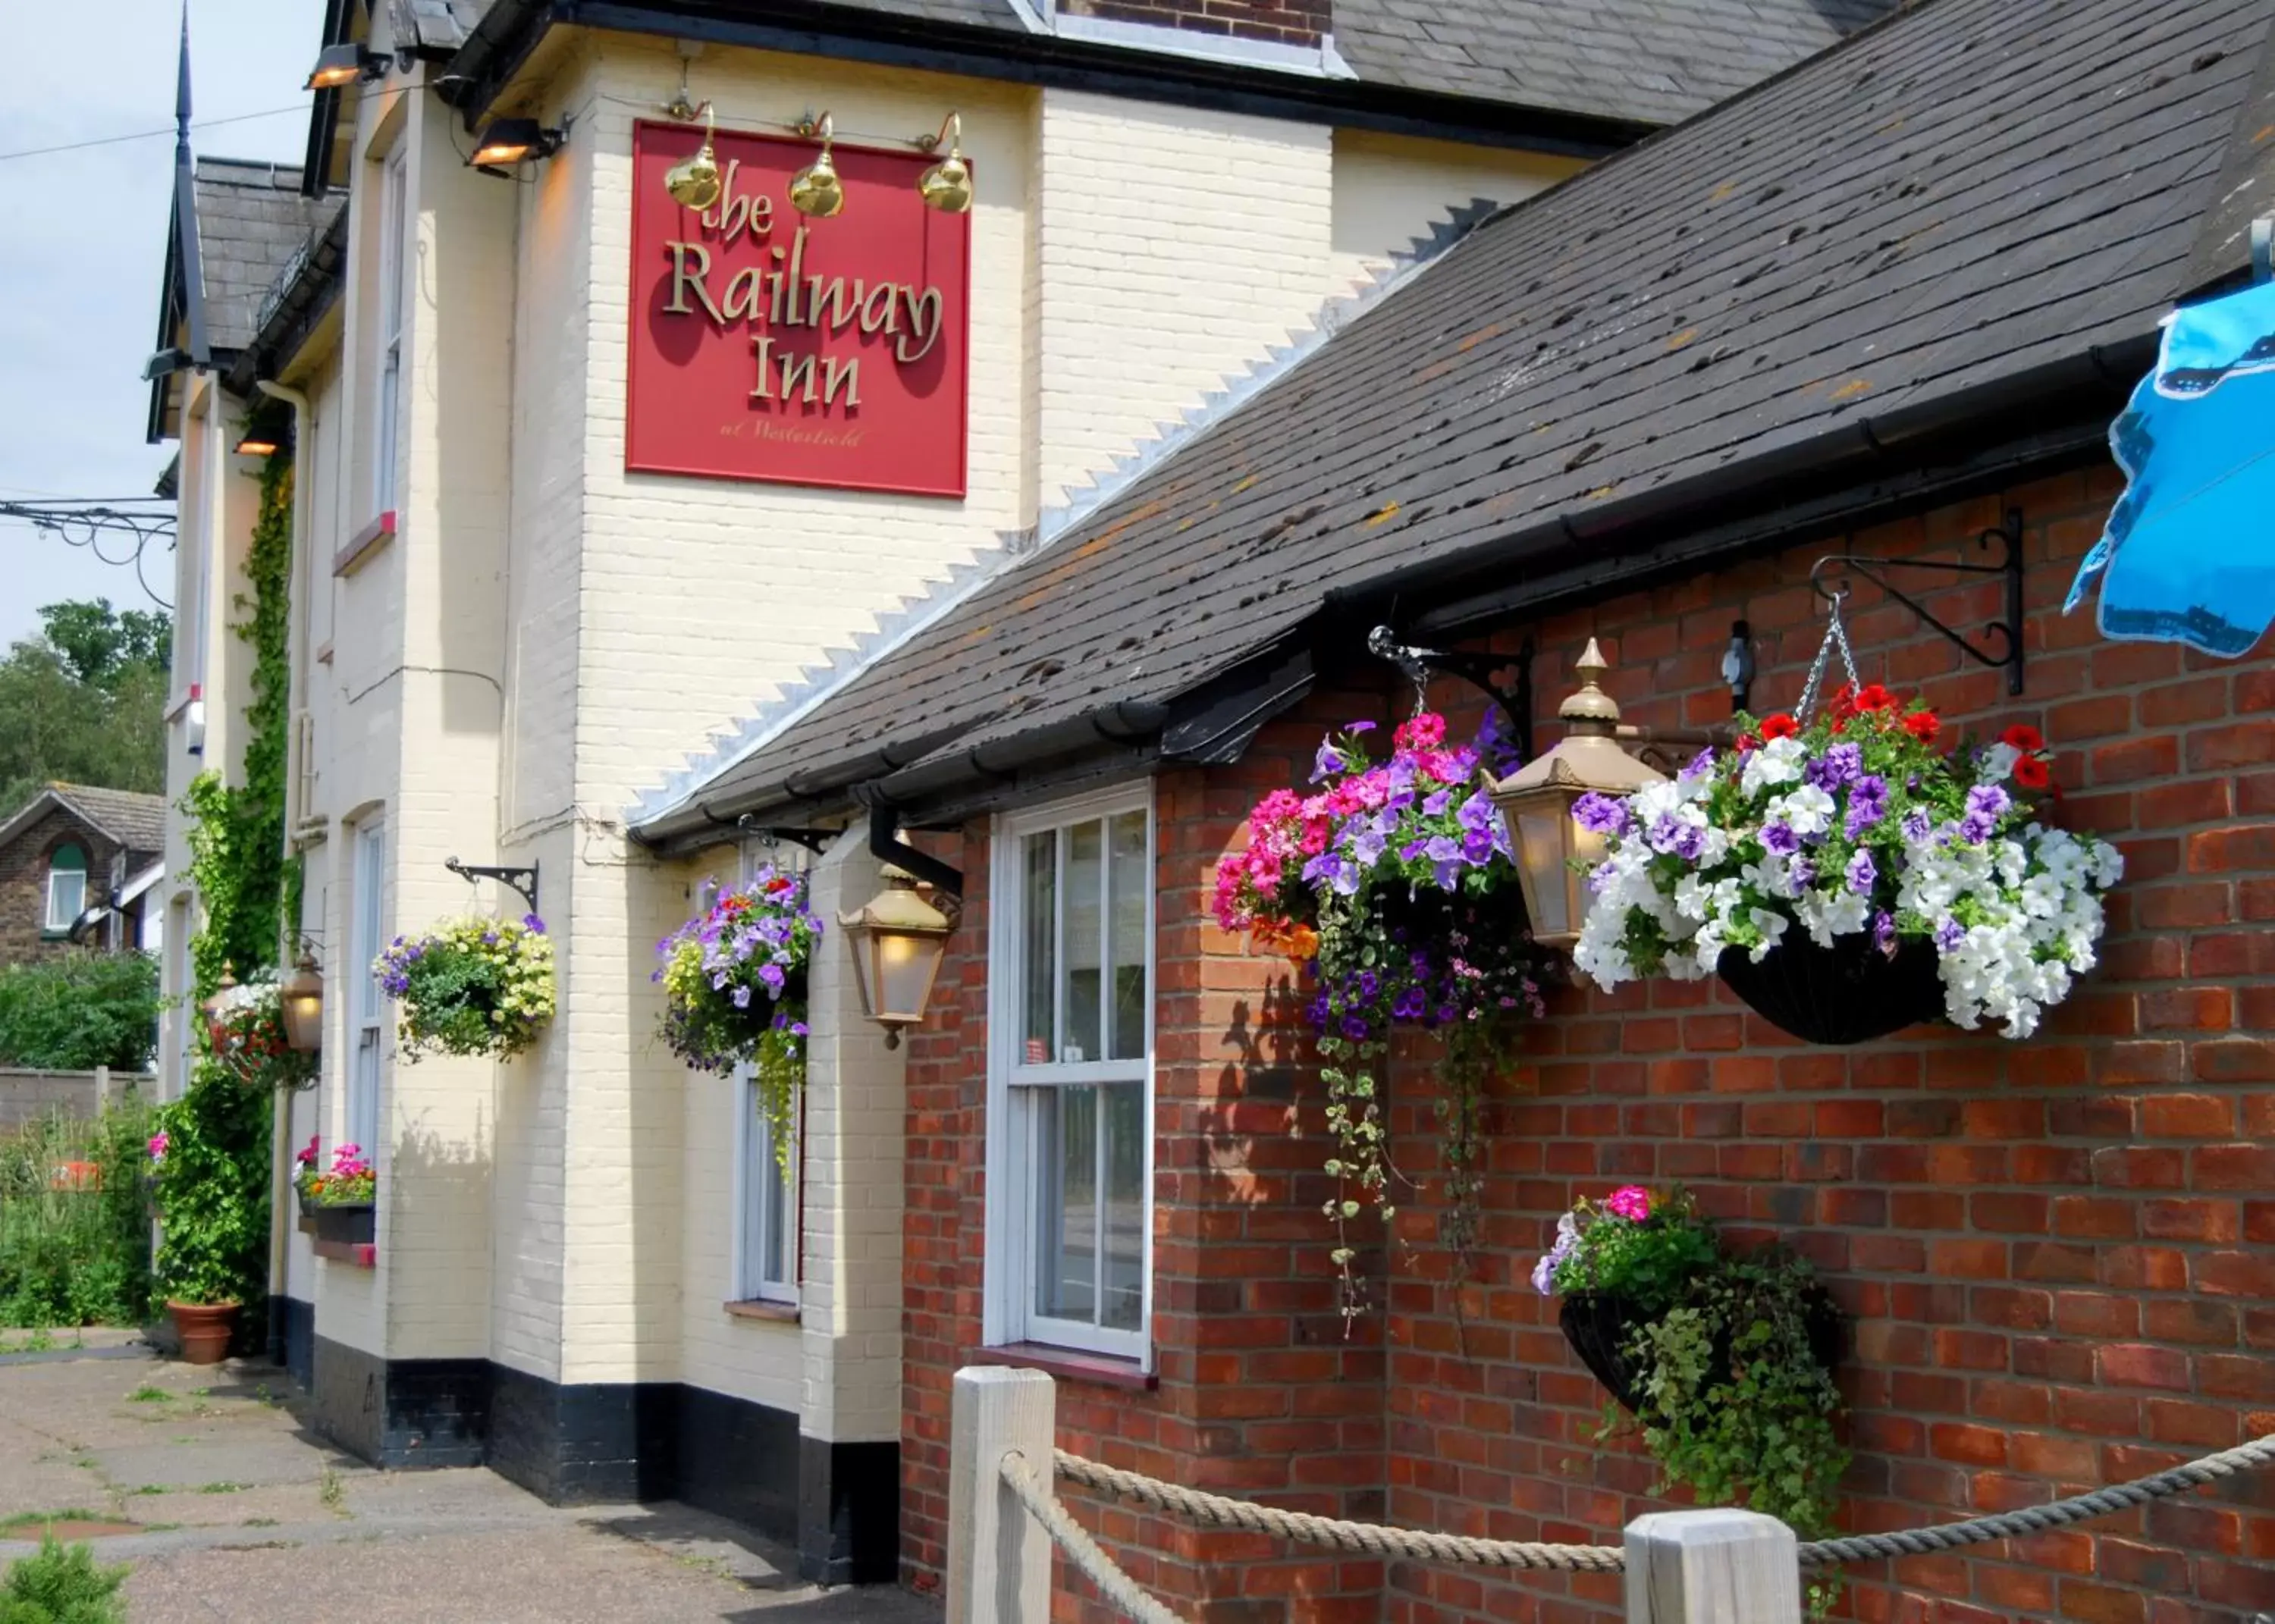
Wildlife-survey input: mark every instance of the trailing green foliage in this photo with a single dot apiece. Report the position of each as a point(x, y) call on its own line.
point(213, 1180)
point(79, 1011)
point(63, 1585)
point(74, 1231)
point(213, 1191)
point(85, 702)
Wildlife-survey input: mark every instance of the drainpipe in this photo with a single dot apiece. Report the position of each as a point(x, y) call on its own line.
point(280, 1135)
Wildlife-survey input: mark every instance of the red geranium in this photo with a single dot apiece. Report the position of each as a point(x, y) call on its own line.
point(1746, 741)
point(1923, 725)
point(2032, 774)
point(1780, 726)
point(1873, 697)
point(2024, 737)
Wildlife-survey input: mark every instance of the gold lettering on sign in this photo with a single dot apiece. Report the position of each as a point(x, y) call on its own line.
point(784, 296)
point(681, 253)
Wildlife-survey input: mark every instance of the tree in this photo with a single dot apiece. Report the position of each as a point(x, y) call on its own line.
point(84, 701)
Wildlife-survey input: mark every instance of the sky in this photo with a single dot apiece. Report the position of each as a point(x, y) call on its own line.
point(83, 243)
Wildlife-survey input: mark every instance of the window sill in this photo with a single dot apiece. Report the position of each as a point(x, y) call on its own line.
point(363, 544)
point(779, 1313)
point(355, 1254)
point(1069, 1365)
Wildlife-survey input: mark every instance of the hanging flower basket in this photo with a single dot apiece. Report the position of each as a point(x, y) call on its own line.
point(734, 983)
point(1395, 888)
point(1851, 991)
point(471, 986)
point(245, 1033)
point(1828, 871)
point(1724, 1360)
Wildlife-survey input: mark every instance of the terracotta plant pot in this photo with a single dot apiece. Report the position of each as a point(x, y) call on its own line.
point(1848, 993)
point(1599, 1327)
point(205, 1329)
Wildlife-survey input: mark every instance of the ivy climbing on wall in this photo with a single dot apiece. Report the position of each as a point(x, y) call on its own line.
point(214, 1185)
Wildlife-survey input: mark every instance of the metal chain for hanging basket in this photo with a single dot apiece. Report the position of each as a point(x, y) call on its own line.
point(1836, 636)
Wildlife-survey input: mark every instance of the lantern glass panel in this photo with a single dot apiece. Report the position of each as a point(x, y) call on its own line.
point(904, 973)
point(1543, 828)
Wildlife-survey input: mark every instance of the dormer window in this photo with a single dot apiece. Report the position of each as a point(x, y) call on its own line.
point(67, 888)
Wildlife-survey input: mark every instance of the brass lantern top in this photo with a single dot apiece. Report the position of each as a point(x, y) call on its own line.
point(1590, 757)
point(904, 905)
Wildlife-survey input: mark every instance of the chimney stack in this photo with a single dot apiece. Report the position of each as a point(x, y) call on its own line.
point(1304, 23)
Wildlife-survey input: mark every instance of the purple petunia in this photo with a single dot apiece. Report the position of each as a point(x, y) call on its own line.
point(1917, 825)
point(1862, 873)
point(1836, 767)
point(1867, 804)
point(1949, 933)
point(1780, 839)
point(1602, 814)
point(1884, 930)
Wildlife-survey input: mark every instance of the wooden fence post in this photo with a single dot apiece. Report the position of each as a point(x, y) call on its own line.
point(999, 1558)
point(1721, 1566)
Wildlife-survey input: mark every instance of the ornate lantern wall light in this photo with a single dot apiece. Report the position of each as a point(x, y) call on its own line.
point(1554, 853)
point(301, 1002)
point(898, 937)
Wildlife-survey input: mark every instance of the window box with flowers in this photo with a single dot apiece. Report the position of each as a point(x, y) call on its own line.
point(340, 1204)
point(1846, 877)
point(1395, 887)
point(471, 987)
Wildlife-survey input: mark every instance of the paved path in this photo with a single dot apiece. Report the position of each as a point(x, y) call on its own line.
point(228, 1510)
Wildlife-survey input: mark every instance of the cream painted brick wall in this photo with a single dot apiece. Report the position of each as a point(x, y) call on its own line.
point(855, 1138)
point(548, 635)
point(1173, 247)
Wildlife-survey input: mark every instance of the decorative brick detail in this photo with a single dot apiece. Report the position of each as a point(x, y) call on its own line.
point(2055, 1251)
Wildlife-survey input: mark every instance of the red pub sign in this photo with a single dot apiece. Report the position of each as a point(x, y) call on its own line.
point(767, 345)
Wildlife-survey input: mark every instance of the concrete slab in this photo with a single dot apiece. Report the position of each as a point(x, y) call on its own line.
point(297, 1518)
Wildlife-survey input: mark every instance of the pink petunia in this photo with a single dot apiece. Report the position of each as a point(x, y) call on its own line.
point(1629, 1201)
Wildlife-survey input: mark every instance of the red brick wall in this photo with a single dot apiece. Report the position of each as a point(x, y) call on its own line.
point(24, 883)
point(2059, 1253)
point(1283, 22)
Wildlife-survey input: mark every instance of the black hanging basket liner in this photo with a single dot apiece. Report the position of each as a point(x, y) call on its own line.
point(356, 1225)
point(1599, 1328)
point(1848, 993)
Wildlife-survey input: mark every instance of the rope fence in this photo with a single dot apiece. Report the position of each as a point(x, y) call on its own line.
point(1025, 1435)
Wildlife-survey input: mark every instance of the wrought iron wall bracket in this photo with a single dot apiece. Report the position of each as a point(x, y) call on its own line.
point(2007, 535)
point(1505, 679)
point(521, 880)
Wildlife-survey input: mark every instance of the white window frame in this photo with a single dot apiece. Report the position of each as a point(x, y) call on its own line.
point(757, 1175)
point(394, 257)
point(1008, 1315)
point(359, 1121)
point(60, 921)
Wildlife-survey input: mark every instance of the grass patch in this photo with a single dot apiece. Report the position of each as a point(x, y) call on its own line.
point(34, 1519)
point(331, 1491)
point(147, 1395)
point(220, 1488)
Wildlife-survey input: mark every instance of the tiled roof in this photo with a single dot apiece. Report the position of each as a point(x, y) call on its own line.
point(1654, 60)
point(1955, 200)
point(251, 220)
point(138, 822)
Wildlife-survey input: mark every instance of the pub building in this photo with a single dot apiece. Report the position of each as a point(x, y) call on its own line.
point(983, 436)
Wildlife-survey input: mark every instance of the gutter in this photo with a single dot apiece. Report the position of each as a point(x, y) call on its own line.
point(510, 31)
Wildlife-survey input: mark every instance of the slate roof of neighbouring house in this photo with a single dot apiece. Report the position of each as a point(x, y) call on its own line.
point(1968, 192)
point(135, 821)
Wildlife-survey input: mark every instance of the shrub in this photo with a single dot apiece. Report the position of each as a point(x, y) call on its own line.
point(74, 1233)
point(80, 1011)
point(63, 1585)
point(213, 1191)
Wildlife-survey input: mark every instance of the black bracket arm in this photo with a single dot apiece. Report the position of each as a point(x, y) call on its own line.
point(521, 880)
point(886, 844)
point(2008, 656)
point(1505, 679)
